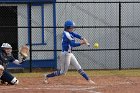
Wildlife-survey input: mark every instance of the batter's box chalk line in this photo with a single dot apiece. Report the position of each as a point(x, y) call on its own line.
point(87, 89)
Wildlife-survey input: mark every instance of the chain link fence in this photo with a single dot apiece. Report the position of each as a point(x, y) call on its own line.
point(114, 25)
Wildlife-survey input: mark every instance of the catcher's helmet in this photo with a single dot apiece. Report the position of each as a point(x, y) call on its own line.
point(69, 24)
point(6, 45)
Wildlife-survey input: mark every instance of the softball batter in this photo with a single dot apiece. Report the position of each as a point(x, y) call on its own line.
point(67, 57)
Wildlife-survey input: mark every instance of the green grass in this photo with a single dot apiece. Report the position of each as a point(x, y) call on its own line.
point(90, 73)
point(114, 73)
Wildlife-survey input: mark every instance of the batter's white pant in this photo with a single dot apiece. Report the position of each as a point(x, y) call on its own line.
point(66, 59)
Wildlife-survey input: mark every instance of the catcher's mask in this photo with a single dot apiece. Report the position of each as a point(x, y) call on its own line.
point(6, 48)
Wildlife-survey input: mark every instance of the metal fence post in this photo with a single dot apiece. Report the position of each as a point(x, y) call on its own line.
point(119, 36)
point(30, 34)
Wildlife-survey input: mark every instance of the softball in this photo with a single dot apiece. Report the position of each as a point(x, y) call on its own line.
point(96, 45)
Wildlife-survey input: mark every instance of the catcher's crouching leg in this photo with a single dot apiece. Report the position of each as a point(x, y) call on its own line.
point(7, 77)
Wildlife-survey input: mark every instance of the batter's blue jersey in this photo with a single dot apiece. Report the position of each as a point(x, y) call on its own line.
point(68, 40)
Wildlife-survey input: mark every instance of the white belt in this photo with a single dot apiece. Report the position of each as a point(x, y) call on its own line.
point(65, 52)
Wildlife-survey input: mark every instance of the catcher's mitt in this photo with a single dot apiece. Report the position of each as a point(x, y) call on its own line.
point(24, 50)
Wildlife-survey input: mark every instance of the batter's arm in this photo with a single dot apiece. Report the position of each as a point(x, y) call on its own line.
point(77, 35)
point(72, 41)
point(74, 44)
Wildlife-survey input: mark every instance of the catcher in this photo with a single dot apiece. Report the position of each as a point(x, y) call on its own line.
point(6, 57)
point(67, 57)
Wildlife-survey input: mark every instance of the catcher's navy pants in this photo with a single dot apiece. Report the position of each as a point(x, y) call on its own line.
point(7, 77)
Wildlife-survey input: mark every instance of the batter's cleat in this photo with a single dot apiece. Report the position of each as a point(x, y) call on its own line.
point(45, 79)
point(91, 82)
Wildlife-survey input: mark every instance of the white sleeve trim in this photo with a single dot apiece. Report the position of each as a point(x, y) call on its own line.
point(68, 36)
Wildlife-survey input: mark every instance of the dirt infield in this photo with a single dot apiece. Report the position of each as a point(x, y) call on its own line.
point(75, 84)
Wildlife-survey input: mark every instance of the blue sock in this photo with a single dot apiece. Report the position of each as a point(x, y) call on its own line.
point(83, 74)
point(56, 73)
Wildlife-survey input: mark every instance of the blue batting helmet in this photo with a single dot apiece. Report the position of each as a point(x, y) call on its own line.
point(69, 24)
